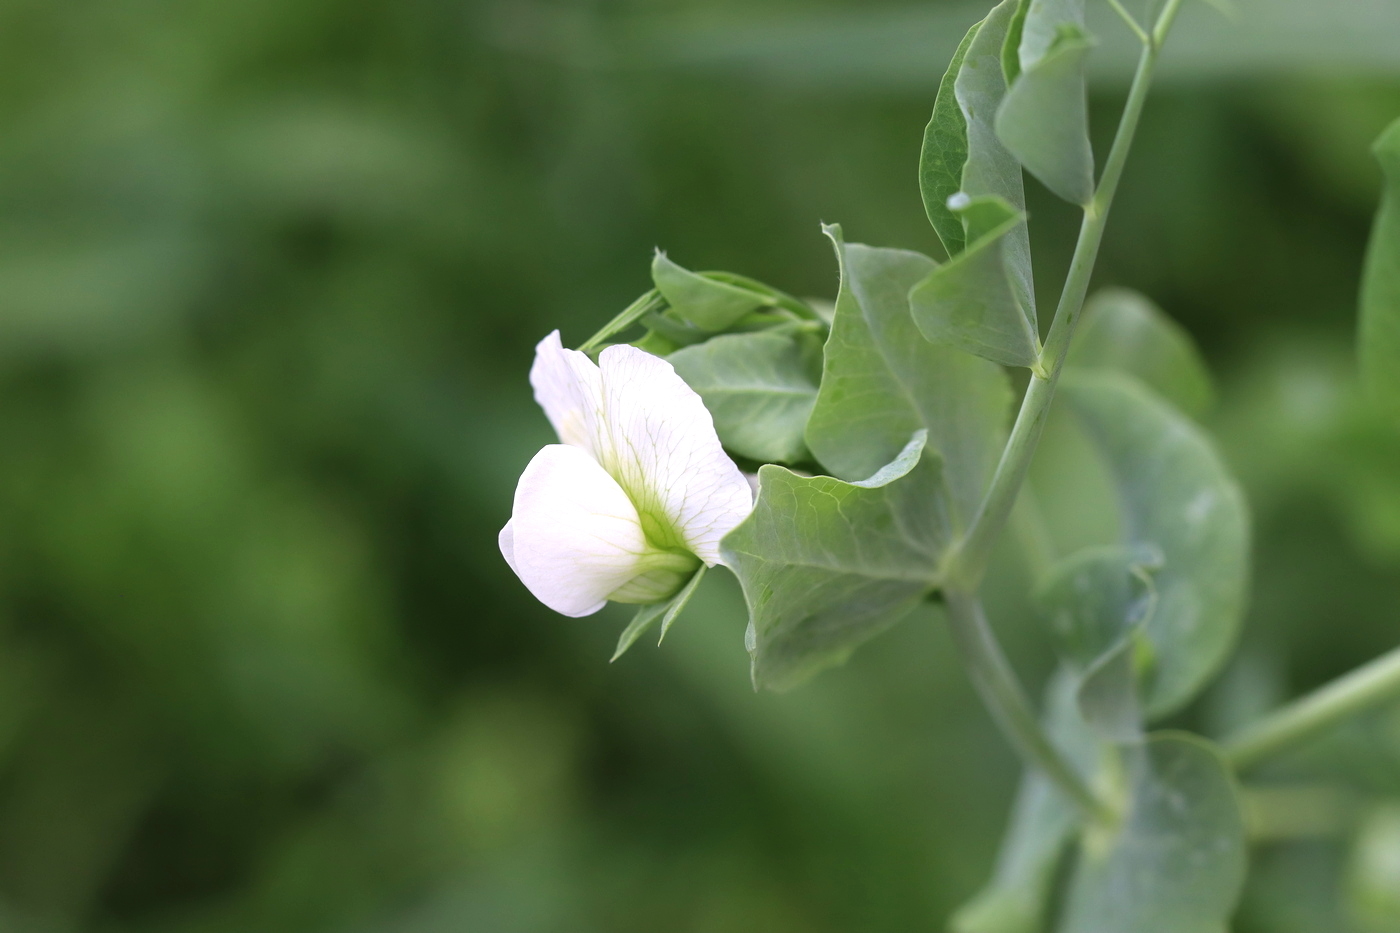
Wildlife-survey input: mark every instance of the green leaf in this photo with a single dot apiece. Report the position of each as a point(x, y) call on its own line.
point(882, 381)
point(1124, 331)
point(759, 388)
point(991, 170)
point(1373, 872)
point(1097, 603)
point(706, 302)
point(961, 152)
point(971, 301)
point(944, 153)
point(1178, 498)
point(1380, 284)
point(1042, 823)
point(1177, 862)
point(1046, 21)
point(1011, 45)
point(667, 611)
point(1044, 119)
point(826, 564)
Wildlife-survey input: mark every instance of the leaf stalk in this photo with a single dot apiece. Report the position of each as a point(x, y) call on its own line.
point(1356, 692)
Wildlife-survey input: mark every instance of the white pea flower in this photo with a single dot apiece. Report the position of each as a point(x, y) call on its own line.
point(636, 496)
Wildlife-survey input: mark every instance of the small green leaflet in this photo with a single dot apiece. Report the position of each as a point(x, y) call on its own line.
point(944, 154)
point(826, 564)
point(1177, 862)
point(1044, 120)
point(759, 388)
point(1124, 331)
point(1178, 499)
point(971, 301)
point(1041, 827)
point(667, 612)
point(1097, 603)
point(708, 303)
point(882, 381)
point(1380, 284)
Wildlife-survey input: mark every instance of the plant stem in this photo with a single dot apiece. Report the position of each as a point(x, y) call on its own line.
point(968, 563)
point(996, 682)
point(1346, 696)
point(651, 301)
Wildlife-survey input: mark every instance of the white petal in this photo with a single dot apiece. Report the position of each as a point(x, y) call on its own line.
point(658, 440)
point(575, 536)
point(506, 541)
point(568, 387)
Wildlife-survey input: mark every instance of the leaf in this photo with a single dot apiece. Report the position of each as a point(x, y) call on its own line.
point(1380, 284)
point(1177, 497)
point(991, 170)
point(971, 301)
point(759, 388)
point(826, 564)
point(1044, 119)
point(706, 302)
point(1045, 23)
point(1042, 822)
point(1177, 862)
point(667, 611)
point(1097, 603)
point(1011, 45)
point(944, 153)
point(882, 381)
point(1124, 331)
point(1373, 872)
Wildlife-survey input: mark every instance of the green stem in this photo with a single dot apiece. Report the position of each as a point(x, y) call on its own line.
point(651, 301)
point(996, 682)
point(968, 563)
point(1346, 696)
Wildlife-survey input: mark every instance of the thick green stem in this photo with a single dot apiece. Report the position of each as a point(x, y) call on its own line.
point(996, 682)
point(1350, 694)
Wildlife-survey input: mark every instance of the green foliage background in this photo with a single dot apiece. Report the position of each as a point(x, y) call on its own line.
point(270, 276)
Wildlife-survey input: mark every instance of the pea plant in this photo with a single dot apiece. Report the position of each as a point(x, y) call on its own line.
point(888, 468)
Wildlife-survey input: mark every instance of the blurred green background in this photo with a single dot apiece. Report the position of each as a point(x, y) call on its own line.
point(271, 273)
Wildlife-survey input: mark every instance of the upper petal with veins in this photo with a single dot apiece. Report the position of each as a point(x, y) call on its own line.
point(658, 441)
point(568, 387)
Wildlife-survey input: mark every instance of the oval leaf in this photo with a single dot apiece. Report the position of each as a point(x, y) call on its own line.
point(759, 388)
point(1124, 331)
point(826, 565)
point(1177, 497)
point(1177, 862)
point(1380, 284)
point(944, 153)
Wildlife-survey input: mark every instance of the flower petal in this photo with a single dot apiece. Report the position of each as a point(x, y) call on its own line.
point(574, 535)
point(506, 541)
point(658, 440)
point(568, 387)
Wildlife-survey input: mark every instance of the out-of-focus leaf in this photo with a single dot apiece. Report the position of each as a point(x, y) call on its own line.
point(971, 301)
point(1046, 23)
point(1178, 498)
point(708, 303)
point(1044, 119)
point(991, 170)
point(760, 389)
point(882, 381)
point(1123, 330)
point(1041, 825)
point(1011, 45)
point(1177, 862)
point(1380, 283)
point(1373, 872)
point(826, 565)
point(944, 153)
point(1097, 603)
